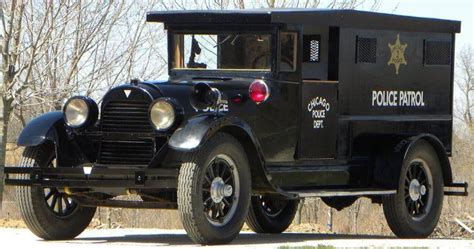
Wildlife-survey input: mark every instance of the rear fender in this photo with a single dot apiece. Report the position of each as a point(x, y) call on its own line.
point(390, 158)
point(441, 153)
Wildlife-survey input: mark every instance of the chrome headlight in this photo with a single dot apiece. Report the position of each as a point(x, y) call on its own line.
point(80, 111)
point(164, 114)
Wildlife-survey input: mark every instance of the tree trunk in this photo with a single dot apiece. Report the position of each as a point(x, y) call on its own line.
point(299, 212)
point(109, 217)
point(3, 147)
point(330, 220)
point(4, 118)
point(312, 206)
point(355, 211)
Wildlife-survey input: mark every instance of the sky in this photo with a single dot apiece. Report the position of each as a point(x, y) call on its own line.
point(461, 10)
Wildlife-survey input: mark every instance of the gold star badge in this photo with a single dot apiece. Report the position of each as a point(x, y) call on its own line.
point(398, 54)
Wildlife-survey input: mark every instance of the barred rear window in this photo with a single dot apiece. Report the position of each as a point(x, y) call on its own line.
point(366, 50)
point(311, 48)
point(437, 53)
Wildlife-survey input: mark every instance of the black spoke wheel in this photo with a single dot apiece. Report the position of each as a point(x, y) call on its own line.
point(417, 189)
point(47, 212)
point(414, 211)
point(271, 213)
point(273, 206)
point(220, 190)
point(58, 203)
point(214, 188)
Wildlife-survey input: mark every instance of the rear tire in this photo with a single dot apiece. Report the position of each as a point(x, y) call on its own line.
point(414, 211)
point(49, 214)
point(214, 188)
point(271, 214)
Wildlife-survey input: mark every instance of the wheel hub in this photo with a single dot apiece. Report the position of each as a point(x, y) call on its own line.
point(416, 190)
point(418, 187)
point(219, 190)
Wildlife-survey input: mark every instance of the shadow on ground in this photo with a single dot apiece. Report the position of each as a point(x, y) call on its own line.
point(242, 239)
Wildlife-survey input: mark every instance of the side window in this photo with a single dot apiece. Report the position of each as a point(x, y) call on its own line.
point(288, 43)
point(366, 50)
point(437, 53)
point(311, 48)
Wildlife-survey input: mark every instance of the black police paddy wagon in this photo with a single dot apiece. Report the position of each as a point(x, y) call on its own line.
point(261, 109)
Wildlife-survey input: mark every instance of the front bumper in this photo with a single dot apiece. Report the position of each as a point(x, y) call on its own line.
point(150, 178)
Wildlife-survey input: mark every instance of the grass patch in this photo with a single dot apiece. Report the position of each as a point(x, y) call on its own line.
point(307, 247)
point(332, 247)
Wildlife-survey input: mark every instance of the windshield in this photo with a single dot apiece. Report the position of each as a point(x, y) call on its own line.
point(223, 51)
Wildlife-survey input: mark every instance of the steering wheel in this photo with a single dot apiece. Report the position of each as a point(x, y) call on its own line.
point(257, 59)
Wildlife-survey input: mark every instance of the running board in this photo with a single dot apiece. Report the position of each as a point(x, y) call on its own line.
point(87, 202)
point(341, 192)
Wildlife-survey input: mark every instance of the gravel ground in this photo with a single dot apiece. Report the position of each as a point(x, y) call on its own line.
point(146, 238)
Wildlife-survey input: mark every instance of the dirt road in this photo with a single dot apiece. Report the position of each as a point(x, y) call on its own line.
point(147, 238)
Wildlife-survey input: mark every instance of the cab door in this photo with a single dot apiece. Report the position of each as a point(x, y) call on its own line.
point(277, 119)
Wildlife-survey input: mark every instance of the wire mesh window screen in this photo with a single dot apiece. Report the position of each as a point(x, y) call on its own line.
point(366, 50)
point(437, 53)
point(311, 48)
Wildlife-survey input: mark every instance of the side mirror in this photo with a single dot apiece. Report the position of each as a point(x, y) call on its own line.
point(205, 96)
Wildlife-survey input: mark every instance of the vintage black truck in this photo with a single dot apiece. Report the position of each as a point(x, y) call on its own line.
point(261, 109)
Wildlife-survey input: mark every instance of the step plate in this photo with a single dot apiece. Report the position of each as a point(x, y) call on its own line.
point(342, 192)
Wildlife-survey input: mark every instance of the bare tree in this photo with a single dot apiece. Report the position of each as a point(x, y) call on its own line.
point(354, 212)
point(330, 221)
point(465, 84)
point(254, 4)
point(299, 212)
point(54, 49)
point(10, 48)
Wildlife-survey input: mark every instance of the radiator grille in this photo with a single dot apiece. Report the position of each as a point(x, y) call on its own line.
point(126, 116)
point(132, 152)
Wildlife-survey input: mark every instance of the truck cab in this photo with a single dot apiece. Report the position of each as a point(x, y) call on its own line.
point(261, 109)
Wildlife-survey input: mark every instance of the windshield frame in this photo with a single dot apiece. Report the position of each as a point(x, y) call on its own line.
point(222, 29)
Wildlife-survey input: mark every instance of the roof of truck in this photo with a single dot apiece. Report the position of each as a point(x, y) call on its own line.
point(326, 17)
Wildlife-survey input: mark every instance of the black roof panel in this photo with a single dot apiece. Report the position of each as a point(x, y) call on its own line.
point(325, 17)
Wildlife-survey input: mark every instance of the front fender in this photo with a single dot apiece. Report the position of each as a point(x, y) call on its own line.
point(197, 130)
point(40, 129)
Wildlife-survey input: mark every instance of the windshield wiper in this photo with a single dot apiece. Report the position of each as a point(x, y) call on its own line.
point(226, 39)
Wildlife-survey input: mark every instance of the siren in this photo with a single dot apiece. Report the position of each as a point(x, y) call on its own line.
point(205, 96)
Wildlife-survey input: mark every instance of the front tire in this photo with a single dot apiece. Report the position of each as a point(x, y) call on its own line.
point(414, 211)
point(48, 213)
point(271, 213)
point(214, 188)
